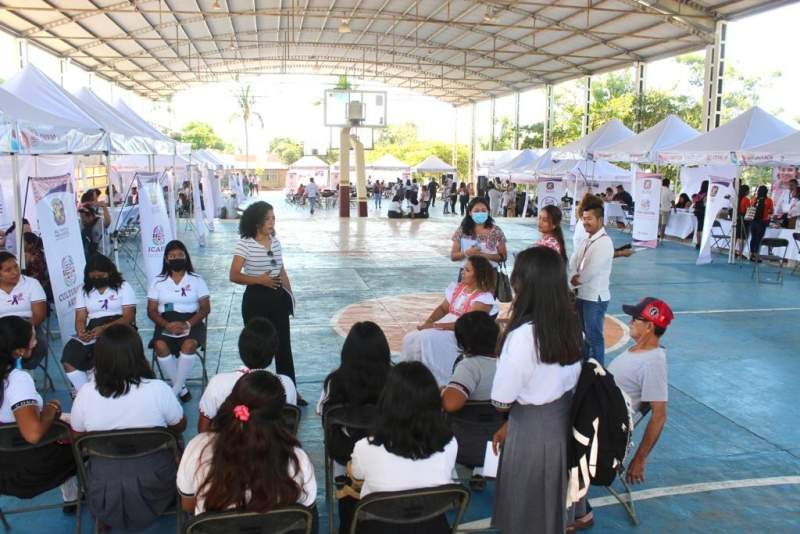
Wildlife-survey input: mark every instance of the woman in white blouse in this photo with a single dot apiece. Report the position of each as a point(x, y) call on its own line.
point(536, 374)
point(178, 301)
point(106, 299)
point(24, 297)
point(434, 342)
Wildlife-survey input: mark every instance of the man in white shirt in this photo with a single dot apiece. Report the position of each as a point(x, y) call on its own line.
point(311, 193)
point(784, 203)
point(495, 197)
point(590, 276)
point(665, 205)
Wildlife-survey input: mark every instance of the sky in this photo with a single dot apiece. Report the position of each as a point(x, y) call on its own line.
point(757, 45)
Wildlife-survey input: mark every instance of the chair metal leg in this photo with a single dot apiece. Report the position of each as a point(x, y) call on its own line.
point(329, 501)
point(626, 501)
point(6, 526)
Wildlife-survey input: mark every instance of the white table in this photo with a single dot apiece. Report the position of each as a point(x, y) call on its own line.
point(784, 233)
point(613, 211)
point(681, 223)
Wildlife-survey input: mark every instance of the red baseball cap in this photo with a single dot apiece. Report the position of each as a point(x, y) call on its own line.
point(651, 309)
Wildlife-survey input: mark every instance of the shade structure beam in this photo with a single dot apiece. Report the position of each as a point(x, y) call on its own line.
point(714, 79)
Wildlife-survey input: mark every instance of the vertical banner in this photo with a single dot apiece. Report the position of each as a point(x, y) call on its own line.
point(199, 224)
point(549, 192)
point(210, 211)
point(647, 191)
point(720, 193)
point(63, 247)
point(155, 230)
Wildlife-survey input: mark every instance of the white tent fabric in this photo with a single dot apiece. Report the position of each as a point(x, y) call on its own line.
point(490, 162)
point(308, 167)
point(388, 162)
point(124, 138)
point(523, 162)
point(433, 164)
point(752, 128)
point(611, 132)
point(595, 171)
point(644, 147)
point(162, 143)
point(308, 162)
point(784, 151)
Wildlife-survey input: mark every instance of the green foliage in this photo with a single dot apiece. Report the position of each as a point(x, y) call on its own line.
point(504, 136)
point(200, 135)
point(287, 149)
point(343, 82)
point(401, 141)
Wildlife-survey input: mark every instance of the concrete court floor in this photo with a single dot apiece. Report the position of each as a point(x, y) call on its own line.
point(729, 457)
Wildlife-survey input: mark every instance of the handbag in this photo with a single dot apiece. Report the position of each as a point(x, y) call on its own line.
point(750, 214)
point(503, 289)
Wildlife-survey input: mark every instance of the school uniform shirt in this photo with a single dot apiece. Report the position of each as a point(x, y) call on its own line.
point(395, 206)
point(257, 260)
point(473, 377)
point(592, 261)
point(18, 302)
point(18, 391)
point(383, 471)
point(196, 461)
point(184, 296)
point(150, 404)
point(521, 376)
point(221, 385)
point(106, 304)
point(642, 376)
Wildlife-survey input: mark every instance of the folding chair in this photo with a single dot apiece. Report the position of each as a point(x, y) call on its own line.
point(796, 237)
point(293, 519)
point(412, 507)
point(290, 415)
point(771, 243)
point(334, 417)
point(721, 239)
point(201, 355)
point(625, 498)
point(12, 442)
point(478, 418)
point(121, 445)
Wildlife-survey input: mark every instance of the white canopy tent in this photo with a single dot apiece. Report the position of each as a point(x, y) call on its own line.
point(164, 145)
point(123, 138)
point(784, 151)
point(491, 162)
point(308, 167)
point(521, 165)
point(611, 132)
point(434, 164)
point(644, 147)
point(388, 162)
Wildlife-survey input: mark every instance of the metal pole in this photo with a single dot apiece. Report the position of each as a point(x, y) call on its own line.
point(714, 77)
point(587, 104)
point(454, 157)
point(19, 208)
point(516, 121)
point(491, 143)
point(472, 134)
point(548, 116)
point(641, 77)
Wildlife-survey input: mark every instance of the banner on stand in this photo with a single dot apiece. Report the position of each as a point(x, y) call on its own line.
point(720, 194)
point(207, 181)
point(549, 192)
point(155, 230)
point(647, 191)
point(63, 248)
point(199, 224)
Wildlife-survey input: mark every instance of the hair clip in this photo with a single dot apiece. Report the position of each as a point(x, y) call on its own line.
point(241, 412)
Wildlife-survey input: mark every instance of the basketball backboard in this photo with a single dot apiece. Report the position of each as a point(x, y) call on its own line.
point(337, 102)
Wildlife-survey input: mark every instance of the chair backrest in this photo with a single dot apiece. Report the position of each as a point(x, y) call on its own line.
point(290, 415)
point(774, 242)
point(361, 417)
point(412, 506)
point(293, 519)
point(478, 412)
point(11, 439)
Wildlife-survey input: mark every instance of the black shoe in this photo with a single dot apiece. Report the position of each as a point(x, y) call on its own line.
point(185, 397)
point(477, 483)
point(69, 509)
point(301, 401)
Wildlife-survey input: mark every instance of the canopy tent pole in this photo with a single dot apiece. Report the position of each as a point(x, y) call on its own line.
point(734, 216)
point(18, 213)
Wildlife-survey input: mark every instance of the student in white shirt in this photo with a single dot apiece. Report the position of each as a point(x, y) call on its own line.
point(27, 474)
point(666, 202)
point(590, 276)
point(411, 446)
point(105, 299)
point(24, 297)
point(258, 344)
point(538, 369)
point(312, 192)
point(128, 494)
point(248, 461)
point(177, 302)
point(396, 207)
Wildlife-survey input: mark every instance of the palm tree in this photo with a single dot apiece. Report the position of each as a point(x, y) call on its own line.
point(246, 101)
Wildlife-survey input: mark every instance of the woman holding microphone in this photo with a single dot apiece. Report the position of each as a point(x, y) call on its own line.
point(258, 264)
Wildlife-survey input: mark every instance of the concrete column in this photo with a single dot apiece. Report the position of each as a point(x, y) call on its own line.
point(714, 77)
point(472, 134)
point(344, 172)
point(516, 121)
point(549, 102)
point(641, 78)
point(587, 104)
point(491, 142)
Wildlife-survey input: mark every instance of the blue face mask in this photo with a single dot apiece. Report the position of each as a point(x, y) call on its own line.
point(18, 364)
point(480, 217)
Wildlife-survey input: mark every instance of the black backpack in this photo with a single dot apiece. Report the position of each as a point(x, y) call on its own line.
point(601, 428)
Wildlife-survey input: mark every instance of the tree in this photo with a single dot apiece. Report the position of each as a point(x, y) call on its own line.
point(504, 136)
point(288, 150)
point(401, 141)
point(246, 101)
point(201, 135)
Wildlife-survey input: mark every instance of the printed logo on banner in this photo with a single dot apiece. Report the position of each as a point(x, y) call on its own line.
point(714, 190)
point(158, 235)
point(549, 201)
point(550, 186)
point(68, 270)
point(647, 185)
point(59, 214)
point(645, 204)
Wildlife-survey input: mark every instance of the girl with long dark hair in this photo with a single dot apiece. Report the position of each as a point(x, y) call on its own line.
point(106, 299)
point(23, 296)
point(178, 301)
point(463, 198)
point(478, 235)
point(258, 264)
point(248, 460)
point(550, 229)
point(539, 365)
point(699, 207)
point(760, 222)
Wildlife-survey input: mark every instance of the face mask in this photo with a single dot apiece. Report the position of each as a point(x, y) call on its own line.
point(100, 281)
point(479, 217)
point(177, 265)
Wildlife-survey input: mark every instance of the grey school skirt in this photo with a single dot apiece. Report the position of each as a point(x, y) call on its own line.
point(532, 477)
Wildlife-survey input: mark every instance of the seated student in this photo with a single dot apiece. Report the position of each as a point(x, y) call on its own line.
point(684, 202)
point(396, 207)
point(247, 460)
point(127, 494)
point(476, 335)
point(105, 299)
point(358, 382)
point(23, 297)
point(411, 445)
point(177, 302)
point(258, 344)
point(27, 474)
point(641, 373)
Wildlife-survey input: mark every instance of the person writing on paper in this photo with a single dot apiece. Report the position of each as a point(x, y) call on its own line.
point(538, 368)
point(258, 264)
point(478, 235)
point(23, 296)
point(105, 299)
point(433, 343)
point(178, 301)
